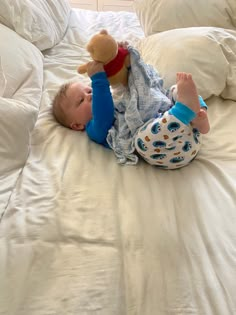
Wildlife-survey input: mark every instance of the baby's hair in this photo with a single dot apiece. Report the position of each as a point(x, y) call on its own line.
point(57, 108)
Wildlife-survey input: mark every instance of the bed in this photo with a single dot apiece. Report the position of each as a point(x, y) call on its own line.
point(81, 234)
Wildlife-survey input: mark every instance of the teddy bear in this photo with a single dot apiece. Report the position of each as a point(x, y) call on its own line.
point(115, 58)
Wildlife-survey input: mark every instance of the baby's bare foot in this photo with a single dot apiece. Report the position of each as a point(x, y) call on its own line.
point(201, 122)
point(187, 91)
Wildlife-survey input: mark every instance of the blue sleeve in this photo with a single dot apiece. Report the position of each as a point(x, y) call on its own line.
point(102, 109)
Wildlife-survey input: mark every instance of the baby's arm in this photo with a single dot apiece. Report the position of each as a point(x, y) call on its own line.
point(102, 105)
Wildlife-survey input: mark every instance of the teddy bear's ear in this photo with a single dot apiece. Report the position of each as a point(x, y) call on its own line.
point(104, 32)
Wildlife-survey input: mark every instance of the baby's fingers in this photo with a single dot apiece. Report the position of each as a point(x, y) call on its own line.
point(94, 67)
point(123, 44)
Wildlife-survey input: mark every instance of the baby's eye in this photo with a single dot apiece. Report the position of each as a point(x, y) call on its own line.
point(80, 102)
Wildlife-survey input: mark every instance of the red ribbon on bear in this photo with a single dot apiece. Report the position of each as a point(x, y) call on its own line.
point(115, 65)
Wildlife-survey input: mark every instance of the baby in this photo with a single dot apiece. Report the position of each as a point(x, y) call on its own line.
point(172, 140)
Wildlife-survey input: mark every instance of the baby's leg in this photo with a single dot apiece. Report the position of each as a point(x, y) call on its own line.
point(187, 95)
point(167, 142)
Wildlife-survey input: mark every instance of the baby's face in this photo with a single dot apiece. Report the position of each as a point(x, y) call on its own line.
point(78, 105)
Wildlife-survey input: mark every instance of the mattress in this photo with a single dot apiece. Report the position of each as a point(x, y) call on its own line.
point(81, 234)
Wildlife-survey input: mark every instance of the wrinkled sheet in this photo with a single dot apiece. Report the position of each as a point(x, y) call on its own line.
point(84, 235)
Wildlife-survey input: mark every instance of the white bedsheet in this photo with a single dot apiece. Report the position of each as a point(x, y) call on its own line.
point(84, 235)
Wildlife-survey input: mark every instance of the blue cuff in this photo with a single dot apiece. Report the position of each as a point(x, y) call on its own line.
point(201, 101)
point(98, 76)
point(183, 113)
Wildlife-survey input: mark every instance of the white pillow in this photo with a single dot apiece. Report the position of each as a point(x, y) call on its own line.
point(208, 53)
point(22, 68)
point(42, 22)
point(3, 80)
point(162, 15)
point(21, 80)
point(17, 120)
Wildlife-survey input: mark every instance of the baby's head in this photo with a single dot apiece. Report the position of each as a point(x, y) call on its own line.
point(72, 105)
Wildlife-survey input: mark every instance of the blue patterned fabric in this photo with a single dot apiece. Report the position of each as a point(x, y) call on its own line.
point(144, 99)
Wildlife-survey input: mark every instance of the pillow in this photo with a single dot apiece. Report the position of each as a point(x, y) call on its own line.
point(17, 120)
point(42, 22)
point(3, 80)
point(22, 68)
point(162, 15)
point(208, 53)
point(21, 80)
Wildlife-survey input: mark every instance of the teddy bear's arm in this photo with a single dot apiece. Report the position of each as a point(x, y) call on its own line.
point(82, 69)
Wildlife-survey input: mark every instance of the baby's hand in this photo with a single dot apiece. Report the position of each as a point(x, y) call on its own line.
point(123, 44)
point(94, 67)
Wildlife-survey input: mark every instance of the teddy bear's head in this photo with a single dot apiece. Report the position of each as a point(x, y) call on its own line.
point(102, 47)
point(115, 59)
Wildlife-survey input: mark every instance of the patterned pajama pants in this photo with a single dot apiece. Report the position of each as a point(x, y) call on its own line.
point(167, 142)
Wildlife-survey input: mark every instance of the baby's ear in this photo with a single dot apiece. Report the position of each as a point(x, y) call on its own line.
point(77, 127)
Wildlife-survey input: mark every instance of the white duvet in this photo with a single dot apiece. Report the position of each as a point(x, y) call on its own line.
point(80, 234)
point(21, 81)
